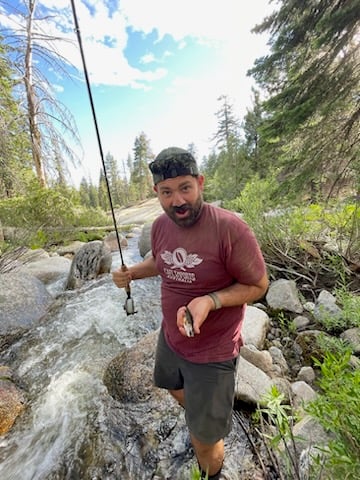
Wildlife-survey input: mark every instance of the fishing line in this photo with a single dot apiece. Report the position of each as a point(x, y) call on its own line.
point(129, 303)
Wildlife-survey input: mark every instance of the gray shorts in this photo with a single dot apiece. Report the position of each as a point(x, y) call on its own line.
point(208, 390)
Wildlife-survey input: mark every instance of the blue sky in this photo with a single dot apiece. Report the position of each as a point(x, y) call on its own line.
point(155, 66)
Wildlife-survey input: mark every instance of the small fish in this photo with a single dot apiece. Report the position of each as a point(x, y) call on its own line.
point(188, 323)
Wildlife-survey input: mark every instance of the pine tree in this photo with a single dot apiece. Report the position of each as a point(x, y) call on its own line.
point(254, 144)
point(312, 80)
point(140, 175)
point(15, 165)
point(231, 163)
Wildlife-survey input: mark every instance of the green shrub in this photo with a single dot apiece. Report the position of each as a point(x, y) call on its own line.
point(349, 316)
point(330, 344)
point(350, 305)
point(275, 422)
point(337, 410)
point(91, 217)
point(278, 227)
point(50, 216)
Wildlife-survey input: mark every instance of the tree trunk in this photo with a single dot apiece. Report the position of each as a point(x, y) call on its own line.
point(32, 101)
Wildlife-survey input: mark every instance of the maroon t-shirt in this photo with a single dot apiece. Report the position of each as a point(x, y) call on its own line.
point(217, 251)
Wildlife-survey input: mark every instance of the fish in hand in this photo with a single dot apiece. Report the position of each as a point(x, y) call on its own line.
point(188, 323)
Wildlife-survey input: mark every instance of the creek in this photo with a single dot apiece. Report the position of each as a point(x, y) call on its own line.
point(61, 363)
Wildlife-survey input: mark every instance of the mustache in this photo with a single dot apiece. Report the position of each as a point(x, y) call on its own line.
point(181, 209)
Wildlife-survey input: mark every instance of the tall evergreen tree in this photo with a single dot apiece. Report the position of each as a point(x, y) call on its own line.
point(312, 79)
point(84, 193)
point(231, 163)
point(253, 120)
point(103, 195)
point(113, 176)
point(15, 165)
point(140, 175)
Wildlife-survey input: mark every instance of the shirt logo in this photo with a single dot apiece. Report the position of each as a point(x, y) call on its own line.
point(181, 259)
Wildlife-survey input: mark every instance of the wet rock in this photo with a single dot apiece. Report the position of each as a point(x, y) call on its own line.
point(90, 261)
point(48, 269)
point(24, 300)
point(12, 400)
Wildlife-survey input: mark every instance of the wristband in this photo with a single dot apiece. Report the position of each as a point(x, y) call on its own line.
point(216, 300)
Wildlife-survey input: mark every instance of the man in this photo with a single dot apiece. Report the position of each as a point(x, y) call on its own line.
point(211, 266)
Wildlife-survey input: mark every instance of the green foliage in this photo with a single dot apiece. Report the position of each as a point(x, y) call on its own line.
point(337, 410)
point(91, 217)
point(350, 305)
point(88, 237)
point(275, 425)
point(141, 181)
point(310, 91)
point(286, 324)
point(330, 344)
point(287, 228)
point(196, 474)
point(14, 141)
point(339, 393)
point(254, 201)
point(349, 316)
point(47, 216)
point(41, 207)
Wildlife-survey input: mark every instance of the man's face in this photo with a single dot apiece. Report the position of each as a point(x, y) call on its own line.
point(181, 198)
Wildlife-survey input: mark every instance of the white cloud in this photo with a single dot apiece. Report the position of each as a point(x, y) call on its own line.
point(187, 106)
point(148, 58)
point(104, 36)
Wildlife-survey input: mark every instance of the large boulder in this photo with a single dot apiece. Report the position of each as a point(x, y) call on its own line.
point(24, 300)
point(90, 261)
point(49, 269)
point(255, 327)
point(283, 295)
point(145, 240)
point(111, 241)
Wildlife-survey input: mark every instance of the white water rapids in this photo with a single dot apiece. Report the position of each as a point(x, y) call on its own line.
point(61, 363)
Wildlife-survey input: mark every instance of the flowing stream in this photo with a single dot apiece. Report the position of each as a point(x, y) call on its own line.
point(61, 363)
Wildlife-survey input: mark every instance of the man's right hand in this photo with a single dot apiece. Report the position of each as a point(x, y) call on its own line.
point(121, 277)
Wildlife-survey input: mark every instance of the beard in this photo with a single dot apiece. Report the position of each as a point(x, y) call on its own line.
point(190, 210)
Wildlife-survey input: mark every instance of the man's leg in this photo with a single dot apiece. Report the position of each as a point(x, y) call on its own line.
point(179, 396)
point(210, 457)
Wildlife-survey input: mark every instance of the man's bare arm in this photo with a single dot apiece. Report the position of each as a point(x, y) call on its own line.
point(144, 269)
point(238, 293)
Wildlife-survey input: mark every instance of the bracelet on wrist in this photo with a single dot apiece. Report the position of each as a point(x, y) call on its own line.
point(216, 300)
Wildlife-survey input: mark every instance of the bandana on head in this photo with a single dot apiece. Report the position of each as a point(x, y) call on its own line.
point(173, 162)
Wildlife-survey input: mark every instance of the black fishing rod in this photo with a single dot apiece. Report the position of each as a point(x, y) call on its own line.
point(129, 302)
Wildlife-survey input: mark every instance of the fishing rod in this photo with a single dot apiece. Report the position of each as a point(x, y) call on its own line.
point(129, 306)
